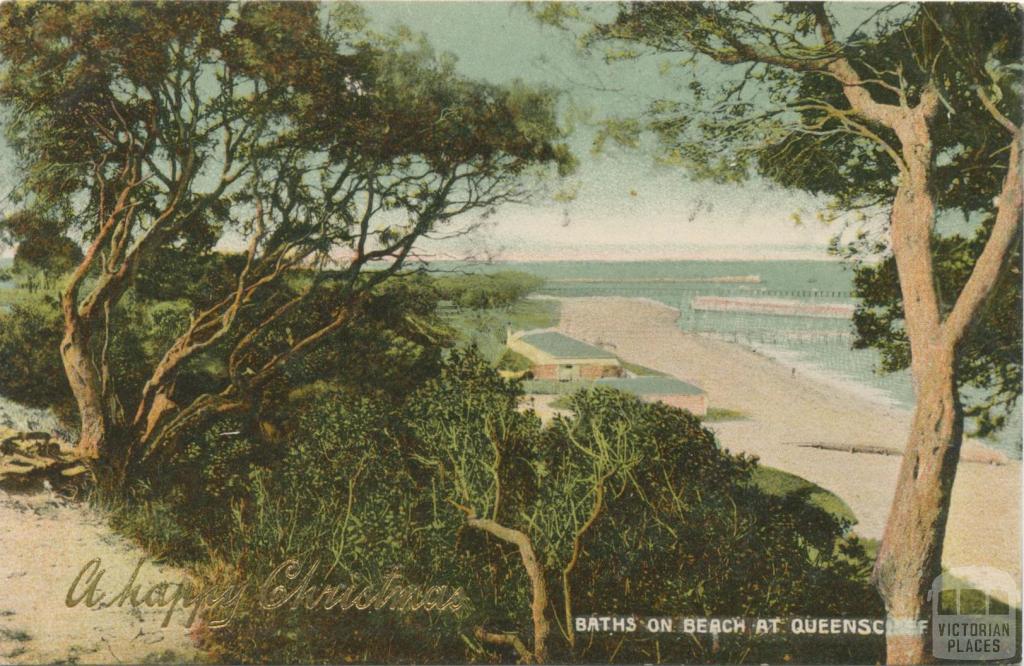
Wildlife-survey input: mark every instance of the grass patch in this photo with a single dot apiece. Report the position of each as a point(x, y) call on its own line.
point(641, 371)
point(561, 402)
point(514, 361)
point(487, 328)
point(533, 313)
point(776, 482)
point(717, 414)
point(11, 296)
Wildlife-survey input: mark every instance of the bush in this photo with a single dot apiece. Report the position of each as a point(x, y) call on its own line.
point(630, 507)
point(481, 291)
point(344, 500)
point(31, 370)
point(514, 361)
point(689, 532)
point(644, 491)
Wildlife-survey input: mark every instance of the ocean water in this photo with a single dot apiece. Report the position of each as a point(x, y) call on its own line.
point(820, 347)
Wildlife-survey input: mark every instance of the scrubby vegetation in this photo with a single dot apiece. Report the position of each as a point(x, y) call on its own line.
point(312, 403)
point(418, 461)
point(365, 473)
point(481, 291)
point(487, 329)
point(431, 486)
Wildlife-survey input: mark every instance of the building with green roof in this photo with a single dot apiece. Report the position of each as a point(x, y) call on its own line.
point(553, 355)
point(556, 357)
point(668, 390)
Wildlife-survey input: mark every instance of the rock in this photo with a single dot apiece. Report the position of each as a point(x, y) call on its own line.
point(30, 461)
point(46, 449)
point(22, 461)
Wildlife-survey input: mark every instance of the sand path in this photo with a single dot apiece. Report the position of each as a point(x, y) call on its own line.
point(788, 411)
point(45, 540)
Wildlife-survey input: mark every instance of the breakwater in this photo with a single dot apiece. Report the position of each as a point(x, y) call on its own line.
point(767, 306)
point(720, 279)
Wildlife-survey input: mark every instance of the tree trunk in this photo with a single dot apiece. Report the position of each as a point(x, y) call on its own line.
point(534, 571)
point(86, 384)
point(166, 422)
point(911, 554)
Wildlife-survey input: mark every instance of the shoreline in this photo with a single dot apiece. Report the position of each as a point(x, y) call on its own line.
point(858, 442)
point(870, 393)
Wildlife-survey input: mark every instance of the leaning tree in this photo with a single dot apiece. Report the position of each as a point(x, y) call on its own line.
point(905, 113)
point(307, 153)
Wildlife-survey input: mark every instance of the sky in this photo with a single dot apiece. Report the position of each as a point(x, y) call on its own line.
point(626, 206)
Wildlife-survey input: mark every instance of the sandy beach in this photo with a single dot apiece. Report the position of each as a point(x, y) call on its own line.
point(796, 423)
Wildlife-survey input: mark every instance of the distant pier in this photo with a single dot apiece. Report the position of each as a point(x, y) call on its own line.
point(769, 306)
point(720, 279)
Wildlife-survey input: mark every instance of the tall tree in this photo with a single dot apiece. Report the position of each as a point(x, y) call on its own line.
point(913, 112)
point(325, 152)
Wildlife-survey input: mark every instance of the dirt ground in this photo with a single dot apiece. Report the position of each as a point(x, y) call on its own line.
point(45, 541)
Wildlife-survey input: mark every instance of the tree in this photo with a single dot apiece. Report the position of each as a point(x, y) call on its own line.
point(914, 112)
point(42, 251)
point(327, 153)
point(626, 508)
point(989, 363)
point(29, 334)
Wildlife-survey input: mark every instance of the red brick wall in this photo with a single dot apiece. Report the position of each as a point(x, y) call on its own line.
point(586, 371)
point(544, 371)
point(599, 371)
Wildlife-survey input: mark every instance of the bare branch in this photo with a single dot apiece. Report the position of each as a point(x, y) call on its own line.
point(504, 639)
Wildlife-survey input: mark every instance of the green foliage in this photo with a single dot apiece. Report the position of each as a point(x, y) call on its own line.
point(468, 422)
point(488, 329)
point(481, 291)
point(990, 360)
point(43, 253)
point(716, 414)
point(52, 256)
point(186, 274)
point(362, 487)
point(342, 497)
point(691, 512)
point(682, 523)
point(782, 484)
point(399, 342)
point(31, 371)
point(514, 361)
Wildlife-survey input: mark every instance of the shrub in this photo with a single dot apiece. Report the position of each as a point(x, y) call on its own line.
point(487, 290)
point(644, 491)
point(629, 507)
point(31, 371)
point(346, 500)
